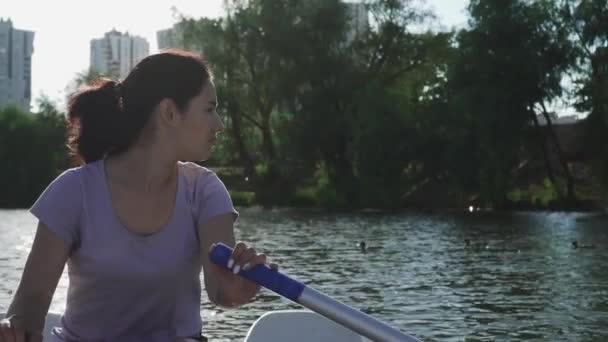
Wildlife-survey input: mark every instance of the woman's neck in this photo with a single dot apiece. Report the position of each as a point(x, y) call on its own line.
point(142, 168)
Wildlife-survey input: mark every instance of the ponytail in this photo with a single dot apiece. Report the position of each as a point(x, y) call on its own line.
point(93, 118)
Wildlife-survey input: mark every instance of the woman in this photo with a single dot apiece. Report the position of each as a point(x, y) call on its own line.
point(133, 222)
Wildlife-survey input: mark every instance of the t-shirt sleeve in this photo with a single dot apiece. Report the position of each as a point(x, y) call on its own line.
point(59, 207)
point(214, 199)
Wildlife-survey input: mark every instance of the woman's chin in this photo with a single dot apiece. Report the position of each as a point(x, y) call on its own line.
point(197, 157)
point(200, 155)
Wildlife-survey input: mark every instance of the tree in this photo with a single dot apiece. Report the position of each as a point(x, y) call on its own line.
point(32, 150)
point(509, 64)
point(88, 77)
point(298, 86)
point(586, 20)
point(83, 78)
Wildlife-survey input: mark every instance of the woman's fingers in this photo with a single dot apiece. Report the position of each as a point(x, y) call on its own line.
point(244, 261)
point(8, 333)
point(236, 254)
point(245, 258)
point(257, 259)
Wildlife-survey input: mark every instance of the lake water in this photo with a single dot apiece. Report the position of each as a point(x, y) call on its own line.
point(518, 280)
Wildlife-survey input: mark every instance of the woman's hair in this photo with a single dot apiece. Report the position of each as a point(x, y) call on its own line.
point(107, 117)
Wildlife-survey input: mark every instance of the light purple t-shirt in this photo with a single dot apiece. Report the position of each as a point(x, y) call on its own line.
point(124, 286)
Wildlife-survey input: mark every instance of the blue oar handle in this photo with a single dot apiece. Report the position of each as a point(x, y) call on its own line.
point(260, 274)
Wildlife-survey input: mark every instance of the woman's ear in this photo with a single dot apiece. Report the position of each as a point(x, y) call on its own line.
point(168, 112)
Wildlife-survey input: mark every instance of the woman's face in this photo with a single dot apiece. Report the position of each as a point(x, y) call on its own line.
point(199, 125)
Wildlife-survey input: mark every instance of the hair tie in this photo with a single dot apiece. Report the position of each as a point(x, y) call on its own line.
point(119, 95)
point(118, 88)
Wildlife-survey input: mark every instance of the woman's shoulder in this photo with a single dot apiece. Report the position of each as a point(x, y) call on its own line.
point(69, 177)
point(80, 173)
point(84, 168)
point(197, 178)
point(70, 182)
point(205, 192)
point(194, 173)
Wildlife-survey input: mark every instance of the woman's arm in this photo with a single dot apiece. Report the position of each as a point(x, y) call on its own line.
point(223, 287)
point(41, 274)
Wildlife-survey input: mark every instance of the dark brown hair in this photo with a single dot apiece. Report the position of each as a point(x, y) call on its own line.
point(107, 117)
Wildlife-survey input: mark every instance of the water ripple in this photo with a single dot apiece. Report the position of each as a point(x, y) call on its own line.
point(518, 279)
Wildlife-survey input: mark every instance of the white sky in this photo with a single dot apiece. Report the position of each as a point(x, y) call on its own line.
point(63, 29)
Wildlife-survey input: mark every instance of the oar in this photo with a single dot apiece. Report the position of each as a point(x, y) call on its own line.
point(316, 301)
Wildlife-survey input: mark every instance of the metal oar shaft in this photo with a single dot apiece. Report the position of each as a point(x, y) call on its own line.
point(316, 301)
point(351, 318)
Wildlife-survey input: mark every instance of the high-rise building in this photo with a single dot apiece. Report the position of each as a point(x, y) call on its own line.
point(16, 49)
point(116, 54)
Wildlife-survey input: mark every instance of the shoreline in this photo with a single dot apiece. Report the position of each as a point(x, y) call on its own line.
point(453, 209)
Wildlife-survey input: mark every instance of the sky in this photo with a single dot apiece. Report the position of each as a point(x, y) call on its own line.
point(64, 28)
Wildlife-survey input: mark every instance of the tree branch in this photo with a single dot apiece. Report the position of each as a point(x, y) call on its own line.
point(250, 119)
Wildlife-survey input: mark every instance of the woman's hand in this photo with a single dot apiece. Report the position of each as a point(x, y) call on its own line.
point(237, 289)
point(10, 333)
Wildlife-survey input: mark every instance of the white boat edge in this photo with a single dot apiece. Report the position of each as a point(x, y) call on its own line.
point(282, 325)
point(299, 326)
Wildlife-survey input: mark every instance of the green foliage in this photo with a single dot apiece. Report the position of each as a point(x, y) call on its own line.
point(242, 198)
point(305, 197)
point(508, 64)
point(387, 108)
point(32, 152)
point(380, 151)
point(261, 169)
point(88, 77)
point(586, 20)
point(320, 194)
point(538, 195)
